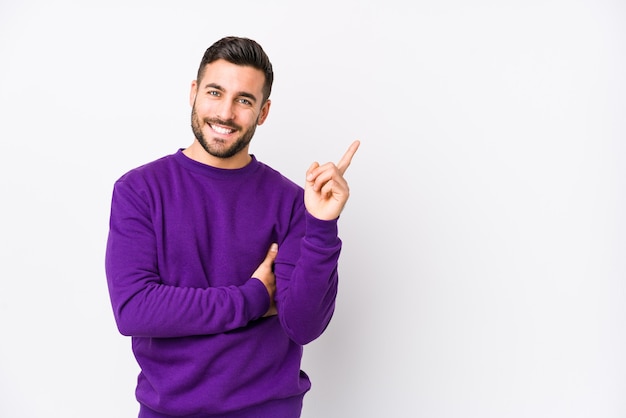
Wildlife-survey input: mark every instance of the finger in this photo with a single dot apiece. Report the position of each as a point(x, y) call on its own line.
point(329, 173)
point(318, 175)
point(271, 253)
point(309, 173)
point(345, 161)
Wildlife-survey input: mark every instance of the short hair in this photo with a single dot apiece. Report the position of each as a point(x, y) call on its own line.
point(240, 51)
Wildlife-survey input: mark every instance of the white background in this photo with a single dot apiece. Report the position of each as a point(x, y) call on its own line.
point(484, 243)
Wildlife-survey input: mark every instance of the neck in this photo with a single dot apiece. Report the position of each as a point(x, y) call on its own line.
point(197, 153)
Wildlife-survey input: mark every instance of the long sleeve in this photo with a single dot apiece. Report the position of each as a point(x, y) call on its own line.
point(306, 290)
point(184, 242)
point(143, 305)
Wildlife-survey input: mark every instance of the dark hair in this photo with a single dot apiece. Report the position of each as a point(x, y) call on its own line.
point(240, 51)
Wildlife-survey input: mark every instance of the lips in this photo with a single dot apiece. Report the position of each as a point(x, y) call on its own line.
point(221, 129)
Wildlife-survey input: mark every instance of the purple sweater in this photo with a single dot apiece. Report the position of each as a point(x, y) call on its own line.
point(184, 241)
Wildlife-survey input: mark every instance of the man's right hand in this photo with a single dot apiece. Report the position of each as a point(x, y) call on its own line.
point(265, 273)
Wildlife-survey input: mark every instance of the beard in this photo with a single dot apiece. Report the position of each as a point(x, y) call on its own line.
point(217, 148)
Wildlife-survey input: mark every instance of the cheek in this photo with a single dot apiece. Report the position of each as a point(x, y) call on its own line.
point(202, 107)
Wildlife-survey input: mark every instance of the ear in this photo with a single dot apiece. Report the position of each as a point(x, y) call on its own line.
point(193, 92)
point(265, 109)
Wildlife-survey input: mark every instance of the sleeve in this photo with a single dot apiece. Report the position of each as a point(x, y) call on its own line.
point(142, 305)
point(306, 289)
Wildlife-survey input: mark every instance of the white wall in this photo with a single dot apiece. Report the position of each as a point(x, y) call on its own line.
point(483, 266)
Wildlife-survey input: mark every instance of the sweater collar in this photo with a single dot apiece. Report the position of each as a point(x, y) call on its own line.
point(216, 172)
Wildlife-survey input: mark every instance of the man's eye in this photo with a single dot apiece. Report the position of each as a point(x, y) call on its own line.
point(245, 101)
point(213, 93)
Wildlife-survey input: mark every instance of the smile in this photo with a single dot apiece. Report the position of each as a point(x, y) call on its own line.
point(221, 130)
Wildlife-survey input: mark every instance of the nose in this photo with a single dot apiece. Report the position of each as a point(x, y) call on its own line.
point(225, 110)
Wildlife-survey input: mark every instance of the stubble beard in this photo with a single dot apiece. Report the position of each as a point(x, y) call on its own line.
point(218, 149)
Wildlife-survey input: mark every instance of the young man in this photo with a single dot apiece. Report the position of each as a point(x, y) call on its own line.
point(218, 267)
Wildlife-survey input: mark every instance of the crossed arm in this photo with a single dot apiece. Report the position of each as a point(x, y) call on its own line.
point(146, 307)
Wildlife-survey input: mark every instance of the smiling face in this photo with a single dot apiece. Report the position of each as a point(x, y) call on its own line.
point(227, 105)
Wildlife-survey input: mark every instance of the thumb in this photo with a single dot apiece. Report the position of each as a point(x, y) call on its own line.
point(271, 253)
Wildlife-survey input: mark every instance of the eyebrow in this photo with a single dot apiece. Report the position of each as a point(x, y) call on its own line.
point(239, 94)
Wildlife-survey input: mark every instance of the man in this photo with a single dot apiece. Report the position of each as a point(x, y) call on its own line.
point(218, 267)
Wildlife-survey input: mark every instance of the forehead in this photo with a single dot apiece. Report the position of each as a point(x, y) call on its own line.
point(233, 77)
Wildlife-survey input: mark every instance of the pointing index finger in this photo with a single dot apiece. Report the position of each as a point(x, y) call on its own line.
point(344, 163)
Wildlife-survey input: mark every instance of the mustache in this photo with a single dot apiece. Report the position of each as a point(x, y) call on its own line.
point(217, 121)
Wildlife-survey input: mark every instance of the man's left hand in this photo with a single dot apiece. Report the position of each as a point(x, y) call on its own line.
point(326, 190)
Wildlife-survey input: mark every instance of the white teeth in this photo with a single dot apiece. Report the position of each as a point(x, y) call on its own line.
point(221, 130)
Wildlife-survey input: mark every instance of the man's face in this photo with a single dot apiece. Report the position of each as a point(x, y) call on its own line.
point(226, 108)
